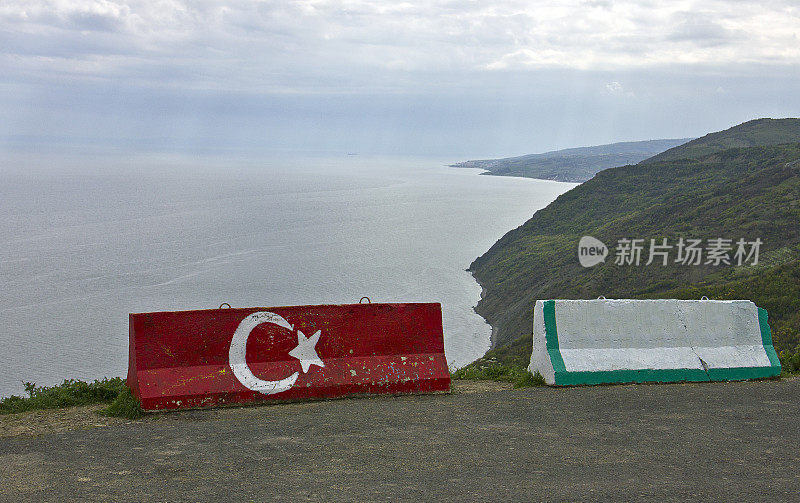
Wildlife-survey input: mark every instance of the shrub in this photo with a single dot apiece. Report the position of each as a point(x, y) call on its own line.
point(790, 360)
point(71, 393)
point(124, 405)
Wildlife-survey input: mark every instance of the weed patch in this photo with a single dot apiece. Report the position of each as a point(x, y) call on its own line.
point(72, 393)
point(492, 371)
point(125, 405)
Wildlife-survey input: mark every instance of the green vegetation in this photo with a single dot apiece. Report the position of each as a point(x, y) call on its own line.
point(790, 361)
point(507, 363)
point(573, 164)
point(124, 405)
point(737, 193)
point(515, 354)
point(758, 132)
point(71, 393)
point(492, 370)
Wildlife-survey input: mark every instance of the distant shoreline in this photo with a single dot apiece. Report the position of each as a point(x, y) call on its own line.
point(573, 165)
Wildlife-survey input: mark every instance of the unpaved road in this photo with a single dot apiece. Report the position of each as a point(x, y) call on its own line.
point(704, 442)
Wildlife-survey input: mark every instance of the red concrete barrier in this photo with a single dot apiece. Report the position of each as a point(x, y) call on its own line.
point(189, 359)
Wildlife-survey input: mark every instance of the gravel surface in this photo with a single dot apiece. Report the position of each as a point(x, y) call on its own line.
point(485, 442)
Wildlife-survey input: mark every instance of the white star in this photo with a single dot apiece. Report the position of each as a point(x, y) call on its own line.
point(306, 352)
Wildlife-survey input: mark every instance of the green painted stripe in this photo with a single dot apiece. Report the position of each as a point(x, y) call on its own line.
point(741, 373)
point(766, 340)
point(630, 376)
point(551, 337)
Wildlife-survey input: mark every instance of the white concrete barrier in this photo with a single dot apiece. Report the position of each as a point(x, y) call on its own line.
point(616, 341)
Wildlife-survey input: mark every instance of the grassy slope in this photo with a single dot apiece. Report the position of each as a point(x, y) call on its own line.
point(758, 132)
point(748, 193)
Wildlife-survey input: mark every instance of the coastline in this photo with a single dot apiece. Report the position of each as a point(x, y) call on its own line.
point(488, 172)
point(493, 335)
point(496, 329)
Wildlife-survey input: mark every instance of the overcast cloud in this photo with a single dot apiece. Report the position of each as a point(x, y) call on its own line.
point(436, 76)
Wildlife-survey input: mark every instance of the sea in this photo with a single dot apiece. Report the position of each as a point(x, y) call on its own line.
point(83, 243)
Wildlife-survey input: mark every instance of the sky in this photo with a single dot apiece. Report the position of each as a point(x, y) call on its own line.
point(468, 79)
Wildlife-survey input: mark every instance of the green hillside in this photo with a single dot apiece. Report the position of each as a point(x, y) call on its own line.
point(758, 132)
point(573, 164)
point(737, 193)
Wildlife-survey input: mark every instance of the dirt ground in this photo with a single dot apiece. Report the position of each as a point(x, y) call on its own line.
point(484, 442)
point(41, 422)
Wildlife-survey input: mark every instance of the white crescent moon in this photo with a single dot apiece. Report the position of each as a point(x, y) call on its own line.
point(238, 361)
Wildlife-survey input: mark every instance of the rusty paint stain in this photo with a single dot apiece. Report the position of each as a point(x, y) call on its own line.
point(167, 351)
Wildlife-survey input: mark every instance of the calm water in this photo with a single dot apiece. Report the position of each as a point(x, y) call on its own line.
point(81, 249)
